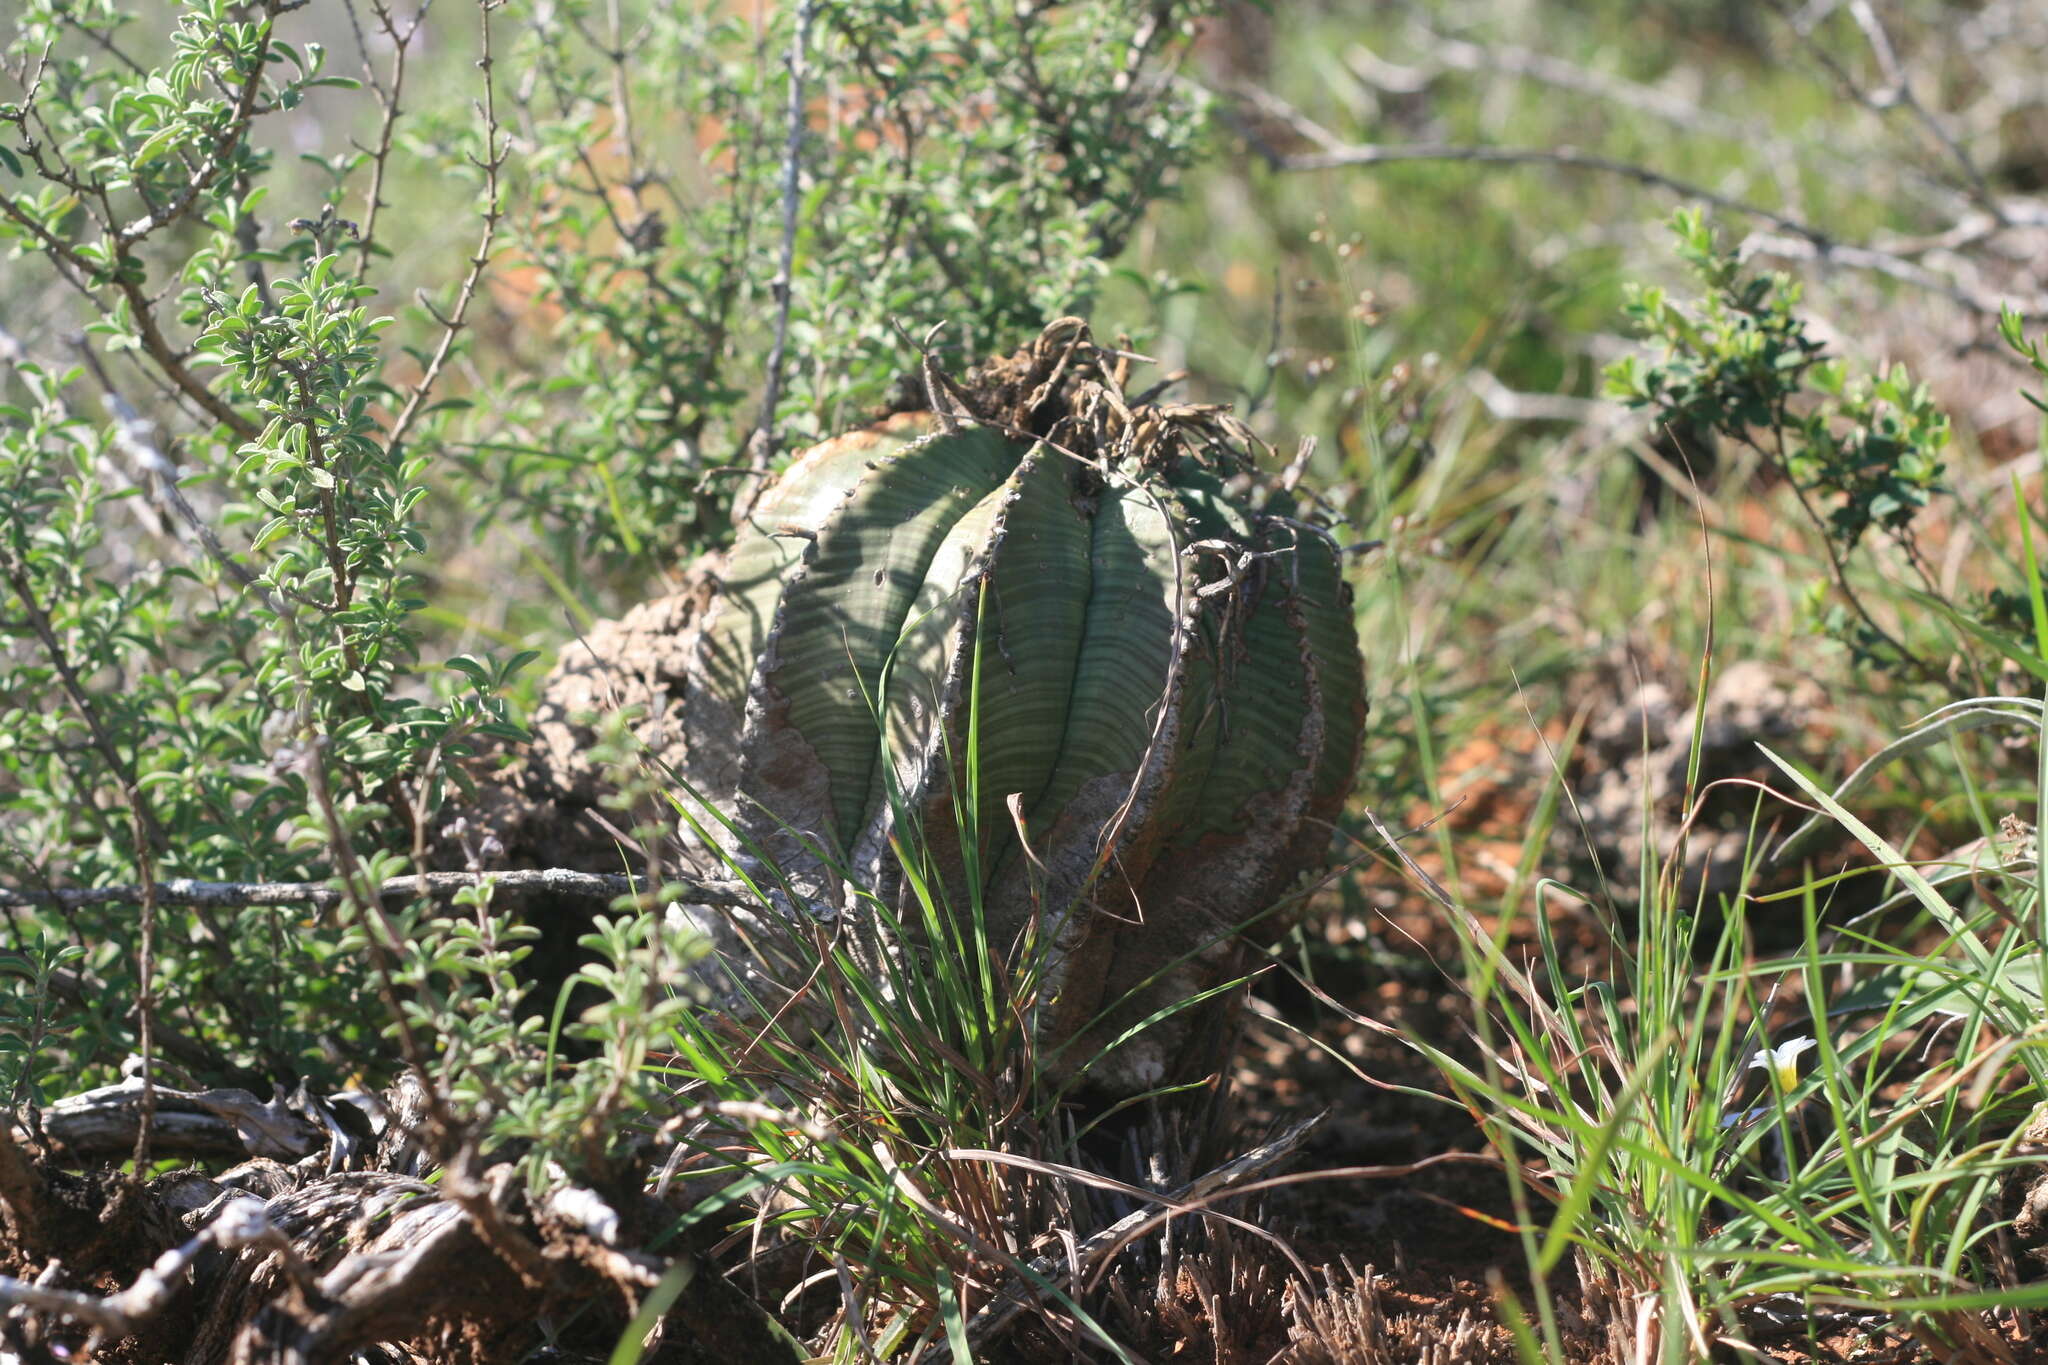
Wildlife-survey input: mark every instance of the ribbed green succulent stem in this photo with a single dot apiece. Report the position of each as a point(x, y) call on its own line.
point(1127, 641)
point(772, 543)
point(842, 612)
point(1169, 686)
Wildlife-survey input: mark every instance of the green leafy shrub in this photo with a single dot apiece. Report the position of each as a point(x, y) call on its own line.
point(708, 306)
point(648, 244)
point(1862, 453)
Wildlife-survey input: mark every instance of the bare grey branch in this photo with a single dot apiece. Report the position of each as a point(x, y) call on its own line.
point(554, 881)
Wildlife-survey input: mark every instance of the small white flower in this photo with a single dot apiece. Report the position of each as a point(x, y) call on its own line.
point(1782, 1061)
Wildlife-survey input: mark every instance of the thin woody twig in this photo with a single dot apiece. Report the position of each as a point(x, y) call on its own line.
point(1446, 53)
point(1794, 237)
point(386, 949)
point(388, 96)
point(145, 984)
point(222, 153)
point(84, 275)
point(766, 439)
point(323, 895)
point(496, 148)
point(1381, 154)
point(1878, 262)
point(121, 241)
point(1840, 572)
point(160, 477)
point(1895, 93)
point(245, 1223)
point(149, 834)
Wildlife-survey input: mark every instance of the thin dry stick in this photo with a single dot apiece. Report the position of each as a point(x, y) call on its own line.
point(145, 989)
point(1380, 154)
point(765, 438)
point(1445, 53)
point(1895, 93)
point(1442, 54)
point(1796, 236)
point(450, 1132)
point(387, 96)
point(244, 1223)
point(496, 148)
point(622, 110)
point(1876, 261)
point(228, 895)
